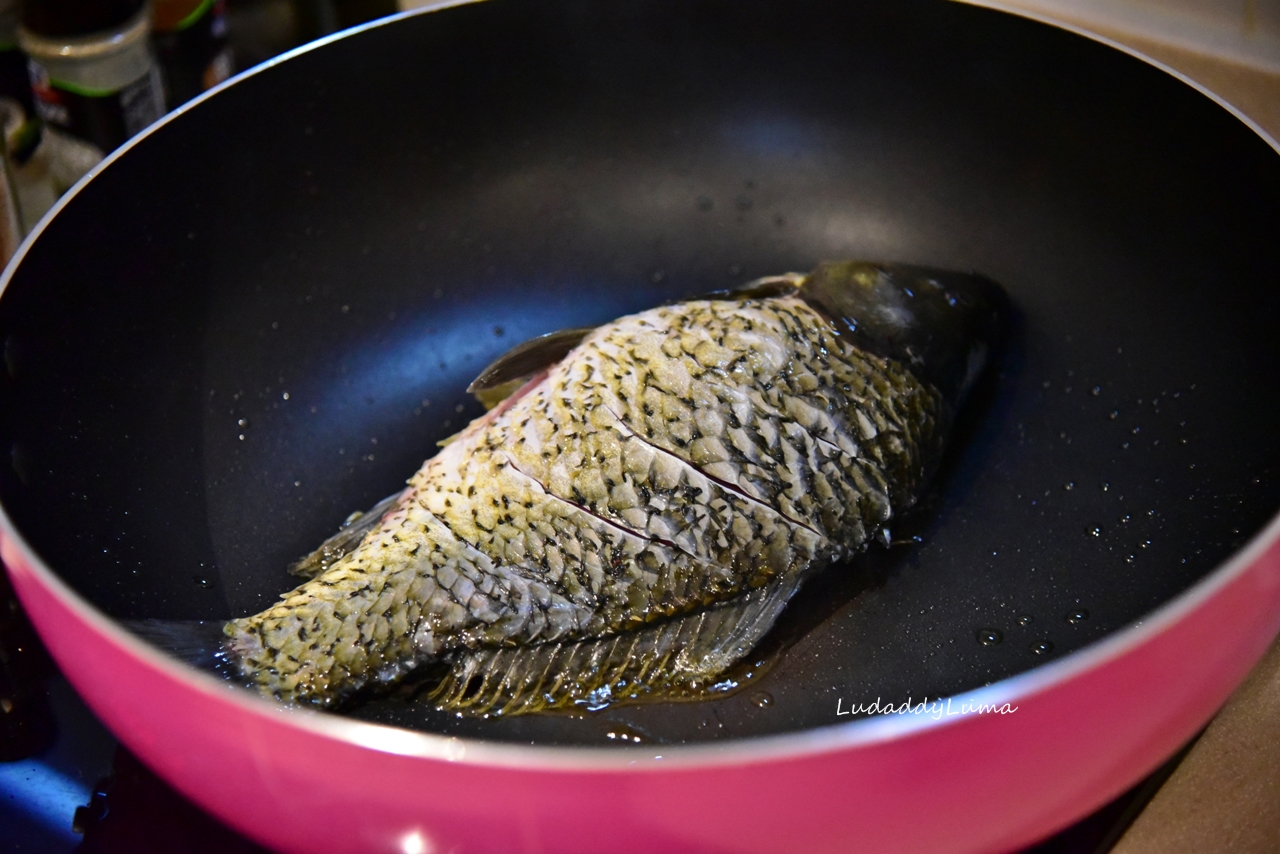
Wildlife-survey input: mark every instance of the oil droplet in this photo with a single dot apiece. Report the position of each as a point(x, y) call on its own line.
point(243, 422)
point(1025, 620)
point(241, 437)
point(1115, 413)
point(285, 395)
point(624, 734)
point(1070, 485)
point(1095, 531)
point(1106, 487)
point(1042, 647)
point(989, 637)
point(1077, 616)
point(203, 582)
point(763, 699)
point(1096, 390)
point(1129, 559)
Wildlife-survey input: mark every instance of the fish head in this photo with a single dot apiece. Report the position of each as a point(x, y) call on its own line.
point(942, 325)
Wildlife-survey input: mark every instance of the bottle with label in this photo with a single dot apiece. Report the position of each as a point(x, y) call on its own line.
point(191, 38)
point(93, 75)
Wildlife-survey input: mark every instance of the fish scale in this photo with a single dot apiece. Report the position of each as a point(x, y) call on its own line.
point(694, 459)
point(768, 454)
point(697, 514)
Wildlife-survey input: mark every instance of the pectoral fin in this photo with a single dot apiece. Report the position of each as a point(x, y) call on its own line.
point(347, 538)
point(523, 361)
point(781, 285)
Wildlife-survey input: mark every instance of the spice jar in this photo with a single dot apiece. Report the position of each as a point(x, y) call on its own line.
point(92, 71)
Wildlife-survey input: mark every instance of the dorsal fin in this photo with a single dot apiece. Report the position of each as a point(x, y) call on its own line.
point(528, 358)
point(677, 659)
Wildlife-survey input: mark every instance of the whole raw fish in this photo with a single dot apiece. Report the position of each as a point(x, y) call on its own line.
point(633, 519)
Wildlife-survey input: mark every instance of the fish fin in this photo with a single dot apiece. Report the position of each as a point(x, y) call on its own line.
point(526, 359)
point(353, 530)
point(494, 395)
point(781, 285)
point(504, 376)
point(450, 439)
point(200, 643)
point(678, 658)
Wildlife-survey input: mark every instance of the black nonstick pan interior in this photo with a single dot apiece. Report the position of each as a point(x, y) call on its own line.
point(264, 314)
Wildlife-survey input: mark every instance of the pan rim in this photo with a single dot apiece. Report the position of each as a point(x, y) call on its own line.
point(830, 739)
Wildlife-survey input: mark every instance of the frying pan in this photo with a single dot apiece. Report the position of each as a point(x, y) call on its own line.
point(262, 314)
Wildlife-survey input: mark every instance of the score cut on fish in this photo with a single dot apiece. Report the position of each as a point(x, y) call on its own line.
point(631, 521)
